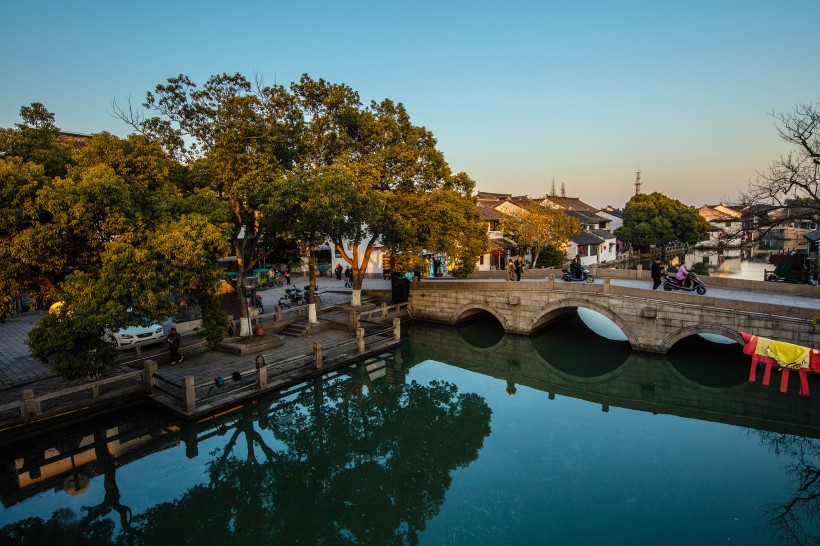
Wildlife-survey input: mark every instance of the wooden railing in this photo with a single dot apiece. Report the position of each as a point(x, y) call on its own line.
point(193, 397)
point(380, 312)
point(33, 408)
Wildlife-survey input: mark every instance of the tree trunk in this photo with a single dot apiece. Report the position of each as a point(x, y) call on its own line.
point(358, 279)
point(312, 301)
point(242, 265)
point(357, 267)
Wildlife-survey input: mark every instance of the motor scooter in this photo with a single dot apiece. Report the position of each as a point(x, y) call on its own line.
point(292, 296)
point(695, 284)
point(586, 275)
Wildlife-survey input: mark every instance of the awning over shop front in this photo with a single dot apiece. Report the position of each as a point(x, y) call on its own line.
point(502, 244)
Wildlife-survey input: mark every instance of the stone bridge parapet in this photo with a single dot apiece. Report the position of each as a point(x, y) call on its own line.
point(651, 321)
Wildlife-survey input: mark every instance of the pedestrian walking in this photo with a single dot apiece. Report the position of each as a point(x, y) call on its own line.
point(339, 272)
point(287, 274)
point(511, 271)
point(519, 268)
point(174, 340)
point(348, 277)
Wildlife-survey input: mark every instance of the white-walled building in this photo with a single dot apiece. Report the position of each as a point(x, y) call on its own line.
point(493, 207)
point(595, 246)
point(375, 265)
point(615, 217)
point(726, 226)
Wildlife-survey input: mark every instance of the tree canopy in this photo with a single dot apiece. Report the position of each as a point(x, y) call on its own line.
point(260, 141)
point(655, 219)
point(539, 226)
point(113, 238)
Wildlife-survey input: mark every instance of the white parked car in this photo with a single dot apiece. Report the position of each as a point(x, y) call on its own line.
point(125, 338)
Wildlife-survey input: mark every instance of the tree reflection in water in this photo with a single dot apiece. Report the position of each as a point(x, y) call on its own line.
point(333, 466)
point(374, 475)
point(788, 521)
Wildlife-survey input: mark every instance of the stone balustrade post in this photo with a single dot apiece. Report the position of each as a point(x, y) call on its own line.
point(317, 355)
point(397, 329)
point(149, 368)
point(30, 407)
point(607, 284)
point(277, 315)
point(261, 376)
point(384, 309)
point(360, 339)
point(188, 394)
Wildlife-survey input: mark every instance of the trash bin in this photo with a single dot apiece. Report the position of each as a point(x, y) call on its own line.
point(401, 288)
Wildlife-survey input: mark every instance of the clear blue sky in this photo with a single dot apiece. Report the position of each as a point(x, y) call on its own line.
point(517, 93)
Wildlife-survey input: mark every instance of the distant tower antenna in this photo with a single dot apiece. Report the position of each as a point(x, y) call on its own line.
point(638, 181)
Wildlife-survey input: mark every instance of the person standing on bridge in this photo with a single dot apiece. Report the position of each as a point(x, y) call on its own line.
point(657, 273)
point(511, 271)
point(174, 340)
point(519, 268)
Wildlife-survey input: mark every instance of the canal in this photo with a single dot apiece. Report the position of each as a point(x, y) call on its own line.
point(463, 435)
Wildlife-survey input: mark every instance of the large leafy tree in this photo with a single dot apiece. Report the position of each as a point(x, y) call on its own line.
point(241, 135)
point(538, 226)
point(405, 195)
point(261, 143)
point(36, 140)
point(441, 221)
point(113, 239)
point(312, 200)
point(655, 219)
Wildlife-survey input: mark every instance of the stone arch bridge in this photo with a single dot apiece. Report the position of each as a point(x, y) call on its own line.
point(652, 321)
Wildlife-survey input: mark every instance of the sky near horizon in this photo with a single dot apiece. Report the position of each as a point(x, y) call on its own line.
point(518, 94)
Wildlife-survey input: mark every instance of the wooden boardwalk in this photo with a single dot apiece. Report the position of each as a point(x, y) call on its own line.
point(205, 380)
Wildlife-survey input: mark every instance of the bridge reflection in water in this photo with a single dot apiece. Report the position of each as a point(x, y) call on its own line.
point(368, 452)
point(698, 378)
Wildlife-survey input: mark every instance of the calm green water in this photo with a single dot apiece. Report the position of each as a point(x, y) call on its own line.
point(463, 436)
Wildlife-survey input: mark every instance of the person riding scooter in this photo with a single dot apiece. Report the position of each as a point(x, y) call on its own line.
point(575, 268)
point(683, 276)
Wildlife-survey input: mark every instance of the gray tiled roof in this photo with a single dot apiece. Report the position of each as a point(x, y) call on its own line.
point(603, 233)
point(586, 238)
point(586, 217)
point(813, 236)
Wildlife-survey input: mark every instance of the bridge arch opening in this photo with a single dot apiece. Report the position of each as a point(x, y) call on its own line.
point(710, 360)
point(580, 342)
point(479, 328)
point(597, 318)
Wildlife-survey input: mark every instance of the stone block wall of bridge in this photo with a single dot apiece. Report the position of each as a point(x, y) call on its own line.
point(651, 321)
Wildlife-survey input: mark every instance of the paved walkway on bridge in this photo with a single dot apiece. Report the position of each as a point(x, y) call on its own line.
point(724, 293)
